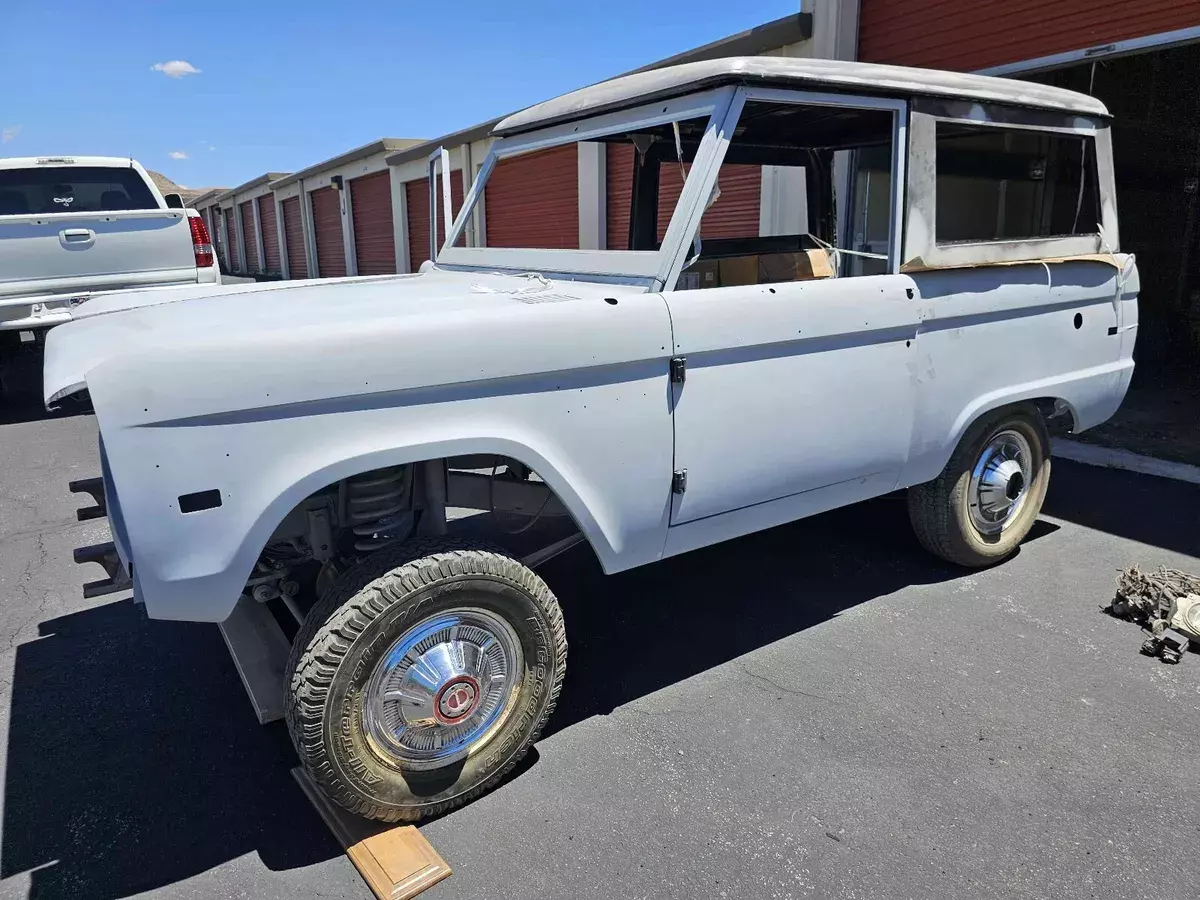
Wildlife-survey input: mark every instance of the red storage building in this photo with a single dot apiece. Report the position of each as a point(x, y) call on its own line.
point(416, 194)
point(327, 232)
point(374, 233)
point(293, 237)
point(249, 235)
point(270, 234)
point(533, 200)
point(232, 260)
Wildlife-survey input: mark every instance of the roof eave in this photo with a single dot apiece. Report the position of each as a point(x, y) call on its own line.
point(382, 145)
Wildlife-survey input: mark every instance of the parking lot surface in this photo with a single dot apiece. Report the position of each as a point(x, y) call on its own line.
point(820, 710)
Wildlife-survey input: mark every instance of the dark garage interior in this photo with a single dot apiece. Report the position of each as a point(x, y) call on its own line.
point(1155, 101)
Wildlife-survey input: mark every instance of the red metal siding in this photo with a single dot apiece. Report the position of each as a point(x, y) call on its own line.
point(952, 34)
point(734, 215)
point(533, 201)
point(416, 194)
point(231, 253)
point(618, 187)
point(374, 237)
point(247, 212)
point(293, 235)
point(270, 233)
point(327, 229)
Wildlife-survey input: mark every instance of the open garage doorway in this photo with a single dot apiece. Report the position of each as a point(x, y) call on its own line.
point(1154, 97)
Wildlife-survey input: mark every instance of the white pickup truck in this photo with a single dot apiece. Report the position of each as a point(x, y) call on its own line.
point(71, 227)
point(948, 282)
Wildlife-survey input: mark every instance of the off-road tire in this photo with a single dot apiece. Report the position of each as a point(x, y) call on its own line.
point(356, 622)
point(939, 510)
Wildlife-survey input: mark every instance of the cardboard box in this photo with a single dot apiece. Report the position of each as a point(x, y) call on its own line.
point(700, 275)
point(802, 266)
point(738, 270)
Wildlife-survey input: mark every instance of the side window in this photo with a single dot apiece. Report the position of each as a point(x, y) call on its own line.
point(1002, 184)
point(804, 192)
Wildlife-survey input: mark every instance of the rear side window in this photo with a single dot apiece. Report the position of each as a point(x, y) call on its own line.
point(58, 189)
point(1006, 184)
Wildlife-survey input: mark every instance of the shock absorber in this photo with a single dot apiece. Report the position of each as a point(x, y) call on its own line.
point(377, 507)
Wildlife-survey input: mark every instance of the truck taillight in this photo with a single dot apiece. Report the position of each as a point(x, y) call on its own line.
point(201, 243)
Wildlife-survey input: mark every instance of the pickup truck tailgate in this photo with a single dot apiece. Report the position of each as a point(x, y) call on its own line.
point(57, 253)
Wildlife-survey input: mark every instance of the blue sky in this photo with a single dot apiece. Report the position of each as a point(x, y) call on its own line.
point(282, 85)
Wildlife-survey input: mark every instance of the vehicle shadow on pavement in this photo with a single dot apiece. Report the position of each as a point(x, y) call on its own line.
point(134, 761)
point(639, 631)
point(29, 408)
point(1144, 508)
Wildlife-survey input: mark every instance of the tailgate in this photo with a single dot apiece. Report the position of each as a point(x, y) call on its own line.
point(76, 251)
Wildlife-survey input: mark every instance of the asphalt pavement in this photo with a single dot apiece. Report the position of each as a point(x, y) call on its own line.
point(821, 710)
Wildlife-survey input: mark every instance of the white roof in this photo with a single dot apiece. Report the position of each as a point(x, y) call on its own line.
point(629, 90)
point(34, 162)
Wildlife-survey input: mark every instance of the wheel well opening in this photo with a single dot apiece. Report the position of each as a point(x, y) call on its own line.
point(1057, 413)
point(493, 498)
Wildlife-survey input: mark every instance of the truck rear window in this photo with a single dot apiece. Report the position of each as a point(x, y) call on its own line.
point(58, 189)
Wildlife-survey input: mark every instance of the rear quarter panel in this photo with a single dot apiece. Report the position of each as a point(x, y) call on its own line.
point(991, 336)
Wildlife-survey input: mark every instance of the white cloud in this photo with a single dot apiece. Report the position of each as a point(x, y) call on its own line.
point(176, 68)
point(8, 133)
point(177, 154)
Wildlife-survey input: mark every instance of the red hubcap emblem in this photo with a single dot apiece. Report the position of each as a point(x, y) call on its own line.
point(457, 699)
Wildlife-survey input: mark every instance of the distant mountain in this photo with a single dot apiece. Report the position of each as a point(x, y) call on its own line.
point(167, 186)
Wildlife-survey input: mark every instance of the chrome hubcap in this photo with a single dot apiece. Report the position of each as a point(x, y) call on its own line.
point(443, 688)
point(1000, 482)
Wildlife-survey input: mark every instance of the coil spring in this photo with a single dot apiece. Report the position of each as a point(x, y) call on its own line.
point(376, 507)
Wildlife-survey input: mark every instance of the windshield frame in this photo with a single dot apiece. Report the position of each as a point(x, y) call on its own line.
point(647, 267)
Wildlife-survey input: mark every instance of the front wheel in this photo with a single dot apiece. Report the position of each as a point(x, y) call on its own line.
point(988, 496)
point(423, 676)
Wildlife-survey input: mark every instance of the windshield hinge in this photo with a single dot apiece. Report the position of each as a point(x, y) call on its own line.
point(679, 482)
point(678, 369)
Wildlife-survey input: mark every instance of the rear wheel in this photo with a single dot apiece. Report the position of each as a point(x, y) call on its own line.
point(988, 496)
point(417, 683)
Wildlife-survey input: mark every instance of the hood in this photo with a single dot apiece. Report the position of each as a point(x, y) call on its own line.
point(230, 325)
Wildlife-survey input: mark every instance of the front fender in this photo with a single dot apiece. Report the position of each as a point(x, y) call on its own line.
point(603, 444)
point(578, 391)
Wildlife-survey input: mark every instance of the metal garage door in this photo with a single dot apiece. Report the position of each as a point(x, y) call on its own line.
point(210, 222)
point(270, 233)
point(416, 195)
point(533, 200)
point(985, 33)
point(374, 235)
point(734, 215)
point(293, 235)
point(248, 235)
point(327, 229)
point(231, 258)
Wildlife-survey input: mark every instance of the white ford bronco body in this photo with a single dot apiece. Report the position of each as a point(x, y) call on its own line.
point(936, 271)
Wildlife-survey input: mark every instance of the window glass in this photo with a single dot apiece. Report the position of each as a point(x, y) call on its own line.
point(57, 189)
point(997, 184)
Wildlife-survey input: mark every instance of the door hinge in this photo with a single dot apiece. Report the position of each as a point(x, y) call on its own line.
point(679, 482)
point(678, 369)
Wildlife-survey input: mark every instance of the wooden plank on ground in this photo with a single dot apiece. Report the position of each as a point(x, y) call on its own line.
point(395, 861)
